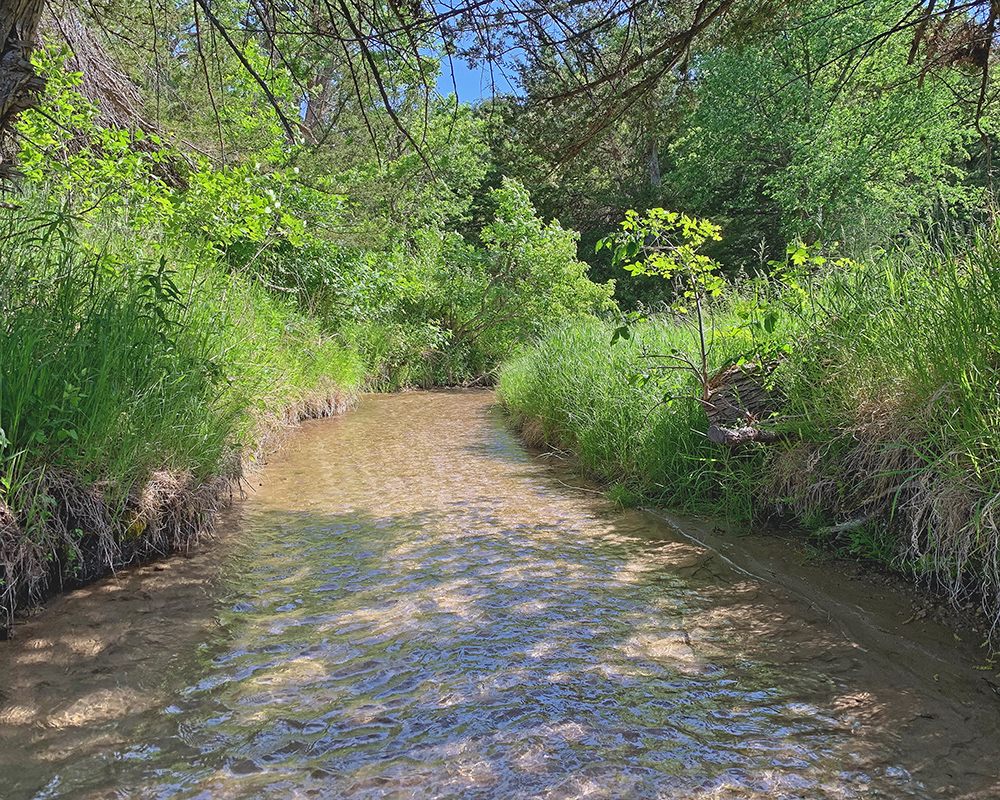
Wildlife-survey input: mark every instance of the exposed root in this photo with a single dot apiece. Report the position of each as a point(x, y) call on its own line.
point(22, 565)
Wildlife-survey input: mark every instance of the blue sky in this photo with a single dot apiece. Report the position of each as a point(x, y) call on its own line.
point(473, 83)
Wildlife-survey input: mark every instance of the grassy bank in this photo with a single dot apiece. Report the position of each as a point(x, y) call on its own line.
point(885, 385)
point(137, 379)
point(575, 391)
point(157, 335)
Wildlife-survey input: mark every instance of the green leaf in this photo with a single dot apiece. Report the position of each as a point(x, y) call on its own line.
point(622, 332)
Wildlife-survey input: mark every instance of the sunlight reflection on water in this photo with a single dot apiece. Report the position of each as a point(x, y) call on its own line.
point(419, 608)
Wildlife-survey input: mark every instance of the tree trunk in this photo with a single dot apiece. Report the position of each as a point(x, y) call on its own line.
point(317, 104)
point(737, 397)
point(20, 87)
point(653, 160)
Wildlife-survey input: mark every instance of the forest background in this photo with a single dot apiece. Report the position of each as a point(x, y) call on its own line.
point(220, 220)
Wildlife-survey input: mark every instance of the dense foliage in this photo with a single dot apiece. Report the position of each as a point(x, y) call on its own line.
point(821, 126)
point(201, 248)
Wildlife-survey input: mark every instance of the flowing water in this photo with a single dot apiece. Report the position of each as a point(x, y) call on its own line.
point(416, 607)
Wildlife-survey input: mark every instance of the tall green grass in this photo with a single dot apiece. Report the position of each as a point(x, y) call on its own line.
point(136, 378)
point(575, 390)
point(115, 366)
point(888, 374)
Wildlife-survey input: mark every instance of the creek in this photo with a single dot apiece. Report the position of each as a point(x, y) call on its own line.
point(411, 605)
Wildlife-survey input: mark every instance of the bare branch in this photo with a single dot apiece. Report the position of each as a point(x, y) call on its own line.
point(238, 52)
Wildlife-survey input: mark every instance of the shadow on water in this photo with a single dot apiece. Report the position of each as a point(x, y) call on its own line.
point(472, 630)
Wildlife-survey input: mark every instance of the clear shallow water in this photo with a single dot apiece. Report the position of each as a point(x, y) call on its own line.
point(415, 607)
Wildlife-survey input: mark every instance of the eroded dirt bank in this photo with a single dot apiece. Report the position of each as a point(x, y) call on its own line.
point(417, 607)
point(86, 532)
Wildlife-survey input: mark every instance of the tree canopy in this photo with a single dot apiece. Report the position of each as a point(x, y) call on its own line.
point(595, 61)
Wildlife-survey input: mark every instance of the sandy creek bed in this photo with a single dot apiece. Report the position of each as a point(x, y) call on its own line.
point(415, 606)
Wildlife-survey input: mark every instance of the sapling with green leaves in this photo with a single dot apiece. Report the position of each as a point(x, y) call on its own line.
point(667, 244)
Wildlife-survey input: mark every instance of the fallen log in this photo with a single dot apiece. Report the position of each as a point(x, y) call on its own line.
point(736, 398)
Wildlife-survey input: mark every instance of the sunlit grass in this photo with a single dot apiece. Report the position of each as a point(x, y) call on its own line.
point(587, 396)
point(888, 377)
point(136, 379)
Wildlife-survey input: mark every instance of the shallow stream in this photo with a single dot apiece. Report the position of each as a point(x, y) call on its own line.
point(416, 607)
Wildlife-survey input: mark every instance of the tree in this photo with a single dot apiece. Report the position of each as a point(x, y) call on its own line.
point(777, 146)
point(20, 86)
point(375, 41)
point(525, 276)
point(834, 121)
point(608, 57)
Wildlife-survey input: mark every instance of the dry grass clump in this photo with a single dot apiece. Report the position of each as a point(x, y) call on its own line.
point(532, 431)
point(170, 512)
point(883, 473)
point(274, 427)
point(869, 481)
point(7, 521)
point(79, 531)
point(862, 471)
point(328, 404)
point(21, 565)
point(800, 480)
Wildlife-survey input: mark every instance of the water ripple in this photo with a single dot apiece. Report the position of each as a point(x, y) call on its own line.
point(418, 609)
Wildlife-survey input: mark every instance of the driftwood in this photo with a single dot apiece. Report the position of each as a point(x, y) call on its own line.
point(737, 398)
